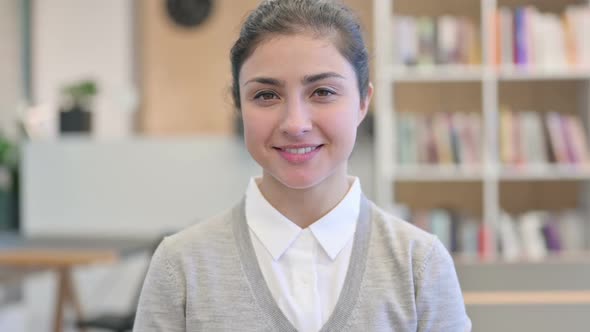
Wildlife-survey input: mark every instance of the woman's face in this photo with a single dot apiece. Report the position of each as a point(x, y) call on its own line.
point(301, 108)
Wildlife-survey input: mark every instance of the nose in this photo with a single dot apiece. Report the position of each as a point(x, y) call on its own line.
point(296, 120)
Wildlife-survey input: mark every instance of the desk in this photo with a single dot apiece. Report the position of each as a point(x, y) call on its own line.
point(61, 254)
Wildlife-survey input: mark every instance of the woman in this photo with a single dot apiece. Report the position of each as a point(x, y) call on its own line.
point(304, 250)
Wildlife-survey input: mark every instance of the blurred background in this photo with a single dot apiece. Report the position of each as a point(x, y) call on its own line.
point(117, 128)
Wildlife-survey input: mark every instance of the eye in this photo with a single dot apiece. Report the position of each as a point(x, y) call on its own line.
point(323, 92)
point(266, 95)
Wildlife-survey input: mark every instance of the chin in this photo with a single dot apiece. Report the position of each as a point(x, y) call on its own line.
point(300, 181)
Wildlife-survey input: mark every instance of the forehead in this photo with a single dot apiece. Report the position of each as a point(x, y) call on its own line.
point(295, 56)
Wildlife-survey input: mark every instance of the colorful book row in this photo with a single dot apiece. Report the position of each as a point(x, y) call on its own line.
point(444, 40)
point(526, 139)
point(537, 234)
point(439, 138)
point(527, 37)
point(460, 234)
point(527, 236)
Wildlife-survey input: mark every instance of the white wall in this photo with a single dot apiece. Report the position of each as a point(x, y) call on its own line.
point(133, 186)
point(10, 63)
point(78, 39)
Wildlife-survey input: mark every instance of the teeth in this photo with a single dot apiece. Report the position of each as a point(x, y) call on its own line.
point(300, 150)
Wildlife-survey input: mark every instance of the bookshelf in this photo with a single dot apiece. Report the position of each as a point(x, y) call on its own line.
point(415, 76)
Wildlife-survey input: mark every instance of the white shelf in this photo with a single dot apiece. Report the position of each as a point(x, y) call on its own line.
point(476, 73)
point(434, 73)
point(532, 74)
point(565, 257)
point(550, 172)
point(432, 173)
point(545, 172)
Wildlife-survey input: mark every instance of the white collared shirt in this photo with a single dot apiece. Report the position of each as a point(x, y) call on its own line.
point(303, 268)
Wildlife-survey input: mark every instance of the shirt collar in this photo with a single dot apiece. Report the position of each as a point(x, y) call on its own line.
point(277, 233)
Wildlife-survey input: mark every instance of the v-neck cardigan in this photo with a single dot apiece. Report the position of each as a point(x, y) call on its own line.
point(207, 278)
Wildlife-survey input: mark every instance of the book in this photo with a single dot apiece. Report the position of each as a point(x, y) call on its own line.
point(447, 39)
point(484, 242)
point(534, 141)
point(510, 242)
point(506, 136)
point(507, 36)
point(457, 146)
point(442, 138)
point(403, 137)
point(440, 225)
point(431, 148)
point(533, 243)
point(517, 139)
point(426, 41)
point(468, 237)
point(423, 133)
point(406, 38)
point(570, 151)
point(578, 140)
point(556, 137)
point(472, 41)
point(571, 231)
point(520, 35)
point(550, 232)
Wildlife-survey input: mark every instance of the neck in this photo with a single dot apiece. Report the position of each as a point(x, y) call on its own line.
point(305, 206)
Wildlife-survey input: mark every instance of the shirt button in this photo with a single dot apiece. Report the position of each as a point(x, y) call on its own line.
point(306, 281)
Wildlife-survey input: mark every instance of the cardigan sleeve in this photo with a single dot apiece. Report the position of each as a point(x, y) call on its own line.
point(162, 301)
point(439, 301)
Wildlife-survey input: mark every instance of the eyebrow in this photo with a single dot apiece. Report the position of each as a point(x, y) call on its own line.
point(266, 80)
point(307, 79)
point(318, 77)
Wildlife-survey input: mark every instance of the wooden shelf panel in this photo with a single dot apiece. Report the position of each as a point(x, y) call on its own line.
point(551, 74)
point(549, 172)
point(460, 73)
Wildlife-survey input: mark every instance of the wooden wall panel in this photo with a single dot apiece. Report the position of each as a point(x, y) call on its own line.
point(461, 196)
point(519, 197)
point(185, 74)
point(556, 6)
point(469, 8)
point(541, 96)
point(437, 97)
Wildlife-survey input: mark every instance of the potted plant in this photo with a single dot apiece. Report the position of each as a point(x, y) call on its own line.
point(75, 111)
point(8, 184)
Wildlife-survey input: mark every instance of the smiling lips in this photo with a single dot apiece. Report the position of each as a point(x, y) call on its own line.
point(298, 154)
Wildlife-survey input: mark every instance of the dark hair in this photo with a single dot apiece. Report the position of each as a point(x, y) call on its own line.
point(320, 17)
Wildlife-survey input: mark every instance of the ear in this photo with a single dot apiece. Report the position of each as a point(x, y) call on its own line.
point(365, 104)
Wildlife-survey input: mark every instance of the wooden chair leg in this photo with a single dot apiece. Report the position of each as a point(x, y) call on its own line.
point(66, 294)
point(60, 300)
point(72, 297)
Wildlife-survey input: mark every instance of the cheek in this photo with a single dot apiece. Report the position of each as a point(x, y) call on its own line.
point(257, 125)
point(341, 126)
point(250, 128)
point(253, 137)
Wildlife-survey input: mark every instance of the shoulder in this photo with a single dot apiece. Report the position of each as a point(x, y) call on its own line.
point(404, 241)
point(208, 236)
point(396, 230)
